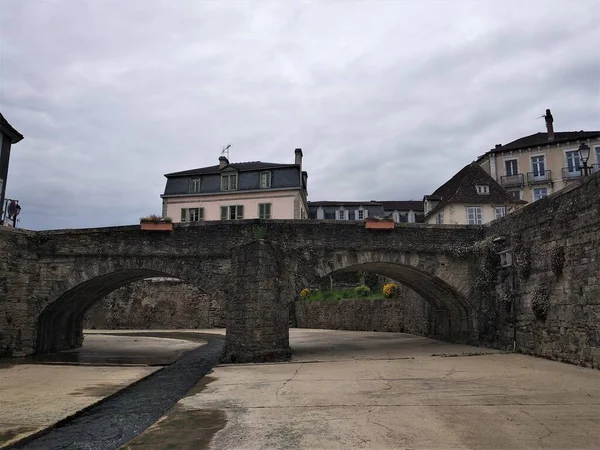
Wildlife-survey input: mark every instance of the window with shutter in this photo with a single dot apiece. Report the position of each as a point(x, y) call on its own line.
point(223, 212)
point(183, 214)
point(320, 213)
point(264, 211)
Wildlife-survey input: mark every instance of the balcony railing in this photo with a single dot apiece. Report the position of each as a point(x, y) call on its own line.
point(512, 180)
point(539, 178)
point(571, 173)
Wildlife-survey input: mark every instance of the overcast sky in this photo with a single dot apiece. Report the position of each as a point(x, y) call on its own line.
point(387, 99)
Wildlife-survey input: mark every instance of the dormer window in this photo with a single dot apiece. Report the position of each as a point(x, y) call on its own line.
point(194, 185)
point(229, 182)
point(265, 180)
point(483, 189)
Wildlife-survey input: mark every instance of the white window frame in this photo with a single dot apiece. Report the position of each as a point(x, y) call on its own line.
point(262, 210)
point(195, 184)
point(411, 217)
point(576, 172)
point(499, 212)
point(477, 213)
point(511, 160)
point(237, 211)
point(360, 214)
point(320, 213)
point(195, 214)
point(540, 176)
point(341, 214)
point(439, 218)
point(226, 182)
point(396, 216)
point(482, 189)
point(265, 180)
point(536, 198)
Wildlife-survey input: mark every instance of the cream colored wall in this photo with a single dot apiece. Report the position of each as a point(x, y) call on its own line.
point(282, 204)
point(456, 213)
point(555, 157)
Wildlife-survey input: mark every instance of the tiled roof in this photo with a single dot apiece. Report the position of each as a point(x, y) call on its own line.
point(403, 205)
point(461, 189)
point(7, 129)
point(541, 139)
point(242, 167)
point(344, 203)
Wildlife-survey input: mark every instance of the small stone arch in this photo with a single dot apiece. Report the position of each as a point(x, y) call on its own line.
point(61, 314)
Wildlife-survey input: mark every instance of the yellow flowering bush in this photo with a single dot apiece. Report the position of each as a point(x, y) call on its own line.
point(304, 293)
point(390, 290)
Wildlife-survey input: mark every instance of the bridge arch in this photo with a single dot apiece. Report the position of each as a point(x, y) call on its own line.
point(60, 321)
point(440, 279)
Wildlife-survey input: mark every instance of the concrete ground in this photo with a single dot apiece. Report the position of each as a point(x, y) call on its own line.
point(36, 396)
point(386, 391)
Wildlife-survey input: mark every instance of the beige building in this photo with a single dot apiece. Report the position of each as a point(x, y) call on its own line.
point(471, 197)
point(235, 191)
point(535, 166)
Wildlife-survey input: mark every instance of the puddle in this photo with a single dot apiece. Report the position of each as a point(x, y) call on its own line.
point(182, 429)
point(100, 390)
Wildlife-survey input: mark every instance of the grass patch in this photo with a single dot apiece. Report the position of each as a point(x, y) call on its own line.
point(342, 294)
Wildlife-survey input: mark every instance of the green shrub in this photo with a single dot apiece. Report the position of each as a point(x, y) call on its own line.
point(362, 290)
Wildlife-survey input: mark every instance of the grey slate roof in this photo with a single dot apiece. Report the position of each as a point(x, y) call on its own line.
point(8, 130)
point(242, 167)
point(403, 205)
point(461, 189)
point(541, 139)
point(345, 203)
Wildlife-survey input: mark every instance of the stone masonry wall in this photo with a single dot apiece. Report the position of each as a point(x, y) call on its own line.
point(548, 301)
point(407, 313)
point(155, 304)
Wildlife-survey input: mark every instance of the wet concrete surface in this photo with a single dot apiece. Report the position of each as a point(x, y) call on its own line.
point(120, 418)
point(370, 390)
point(123, 349)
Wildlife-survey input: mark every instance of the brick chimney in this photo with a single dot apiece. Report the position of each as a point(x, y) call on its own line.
point(549, 126)
point(223, 161)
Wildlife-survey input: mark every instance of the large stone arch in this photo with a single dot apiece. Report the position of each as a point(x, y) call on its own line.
point(440, 279)
point(61, 314)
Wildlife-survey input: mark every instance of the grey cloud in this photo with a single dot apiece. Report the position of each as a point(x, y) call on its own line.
point(387, 99)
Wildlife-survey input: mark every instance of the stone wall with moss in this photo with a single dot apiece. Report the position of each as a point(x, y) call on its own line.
point(547, 303)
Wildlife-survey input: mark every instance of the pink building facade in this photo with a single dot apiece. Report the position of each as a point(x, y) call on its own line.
point(235, 191)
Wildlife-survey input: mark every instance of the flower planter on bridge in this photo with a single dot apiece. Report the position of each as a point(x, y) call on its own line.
point(379, 224)
point(156, 223)
point(162, 226)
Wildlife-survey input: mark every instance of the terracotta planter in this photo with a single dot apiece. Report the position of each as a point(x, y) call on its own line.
point(156, 226)
point(379, 224)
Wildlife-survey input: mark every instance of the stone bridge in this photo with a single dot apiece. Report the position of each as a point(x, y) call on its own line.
point(545, 303)
point(51, 278)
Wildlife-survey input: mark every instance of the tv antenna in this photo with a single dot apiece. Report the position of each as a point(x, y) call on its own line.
point(225, 151)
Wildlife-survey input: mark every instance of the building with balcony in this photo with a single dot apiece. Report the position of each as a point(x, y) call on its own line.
point(8, 136)
point(471, 197)
point(532, 167)
point(234, 191)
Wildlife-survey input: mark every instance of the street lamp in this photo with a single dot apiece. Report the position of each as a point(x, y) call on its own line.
point(584, 155)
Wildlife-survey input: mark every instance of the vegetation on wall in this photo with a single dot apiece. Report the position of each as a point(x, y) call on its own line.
point(540, 300)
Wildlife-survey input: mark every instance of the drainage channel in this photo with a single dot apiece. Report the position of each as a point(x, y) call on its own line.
point(119, 418)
